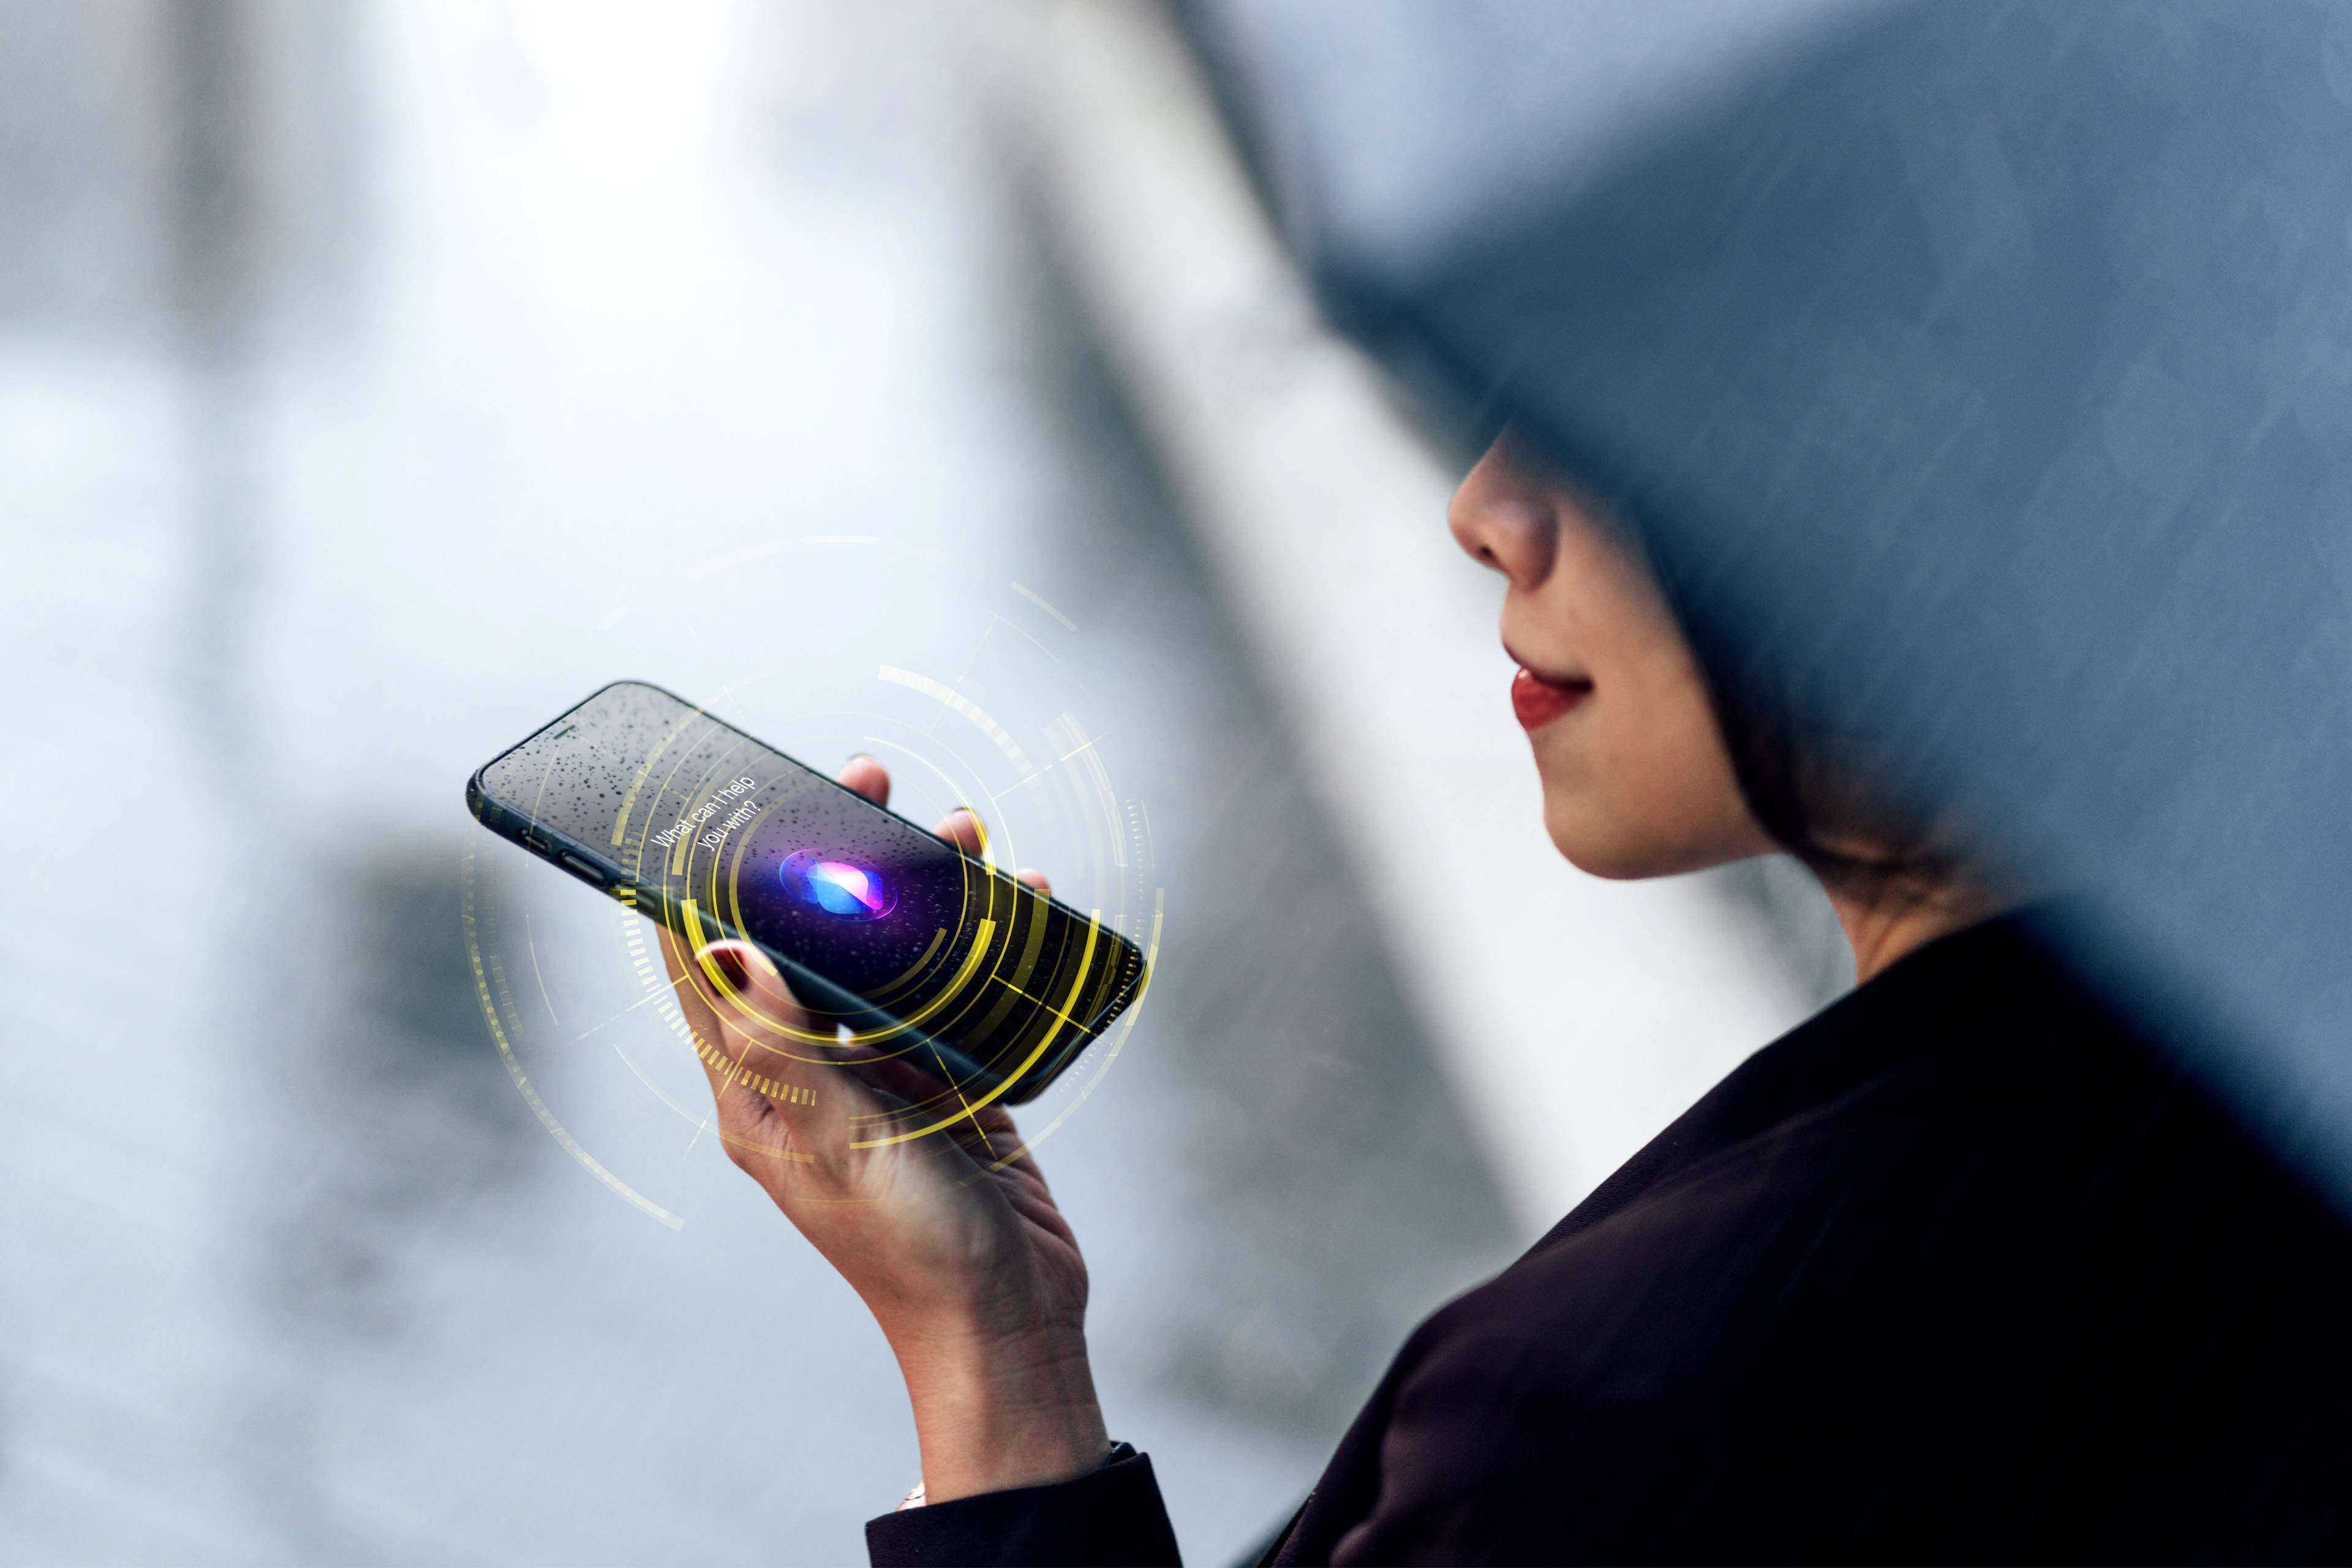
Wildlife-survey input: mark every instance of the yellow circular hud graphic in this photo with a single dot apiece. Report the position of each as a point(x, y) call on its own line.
point(908, 951)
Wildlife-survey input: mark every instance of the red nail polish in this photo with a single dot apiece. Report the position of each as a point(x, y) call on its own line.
point(730, 962)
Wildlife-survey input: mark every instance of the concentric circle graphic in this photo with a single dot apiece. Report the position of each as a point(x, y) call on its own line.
point(970, 693)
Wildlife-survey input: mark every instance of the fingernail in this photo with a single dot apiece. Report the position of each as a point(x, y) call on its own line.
point(730, 962)
point(861, 756)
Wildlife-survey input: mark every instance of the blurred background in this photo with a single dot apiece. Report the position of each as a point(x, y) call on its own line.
point(377, 380)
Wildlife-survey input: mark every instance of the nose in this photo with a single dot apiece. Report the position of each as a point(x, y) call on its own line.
point(1505, 517)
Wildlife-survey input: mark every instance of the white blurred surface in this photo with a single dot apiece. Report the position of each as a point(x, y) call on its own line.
point(375, 381)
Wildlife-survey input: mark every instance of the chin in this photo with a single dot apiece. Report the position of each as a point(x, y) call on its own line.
point(1605, 845)
point(1594, 849)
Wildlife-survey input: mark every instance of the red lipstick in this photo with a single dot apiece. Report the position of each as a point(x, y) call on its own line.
point(1538, 701)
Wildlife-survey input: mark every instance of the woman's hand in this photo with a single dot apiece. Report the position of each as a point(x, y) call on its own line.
point(952, 1239)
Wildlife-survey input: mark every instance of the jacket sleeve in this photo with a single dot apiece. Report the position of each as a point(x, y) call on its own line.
point(1110, 1518)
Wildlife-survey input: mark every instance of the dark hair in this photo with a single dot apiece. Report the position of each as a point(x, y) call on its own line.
point(1819, 786)
point(1810, 788)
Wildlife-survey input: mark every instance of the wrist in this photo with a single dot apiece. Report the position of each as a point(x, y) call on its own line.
point(994, 1412)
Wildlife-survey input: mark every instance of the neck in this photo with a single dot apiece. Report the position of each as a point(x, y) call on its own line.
point(1889, 922)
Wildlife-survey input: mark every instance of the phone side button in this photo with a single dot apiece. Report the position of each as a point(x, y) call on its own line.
point(582, 869)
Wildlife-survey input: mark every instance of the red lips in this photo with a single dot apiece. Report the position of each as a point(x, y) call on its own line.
point(1538, 701)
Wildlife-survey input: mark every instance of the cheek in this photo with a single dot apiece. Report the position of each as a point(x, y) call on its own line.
point(1637, 784)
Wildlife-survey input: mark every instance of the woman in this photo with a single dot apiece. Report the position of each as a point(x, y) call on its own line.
point(1958, 1270)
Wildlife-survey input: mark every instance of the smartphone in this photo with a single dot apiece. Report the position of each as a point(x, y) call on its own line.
point(921, 951)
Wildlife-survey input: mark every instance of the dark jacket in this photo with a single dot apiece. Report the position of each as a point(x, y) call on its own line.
point(1958, 1269)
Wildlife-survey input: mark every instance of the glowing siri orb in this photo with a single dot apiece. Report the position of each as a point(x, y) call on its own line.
point(843, 886)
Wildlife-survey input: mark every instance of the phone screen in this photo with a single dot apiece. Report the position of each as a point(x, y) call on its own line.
point(879, 926)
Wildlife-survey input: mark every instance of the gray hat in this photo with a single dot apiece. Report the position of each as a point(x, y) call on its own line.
point(1987, 369)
